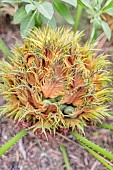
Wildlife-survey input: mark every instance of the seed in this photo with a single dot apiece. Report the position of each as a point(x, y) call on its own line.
point(62, 107)
point(53, 100)
point(68, 110)
point(73, 117)
point(58, 98)
point(45, 101)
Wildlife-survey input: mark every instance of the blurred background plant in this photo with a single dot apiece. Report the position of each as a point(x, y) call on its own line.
point(30, 13)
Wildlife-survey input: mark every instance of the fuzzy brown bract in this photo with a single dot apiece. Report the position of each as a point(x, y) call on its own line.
point(53, 82)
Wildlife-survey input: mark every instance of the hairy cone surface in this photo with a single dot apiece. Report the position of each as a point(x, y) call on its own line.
point(53, 82)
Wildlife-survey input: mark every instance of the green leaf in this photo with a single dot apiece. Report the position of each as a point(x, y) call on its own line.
point(63, 10)
point(38, 20)
point(109, 11)
point(5, 49)
point(107, 2)
point(27, 25)
point(80, 3)
point(20, 15)
point(51, 22)
point(87, 3)
point(12, 1)
point(97, 4)
point(78, 16)
point(11, 142)
point(46, 9)
point(28, 1)
point(30, 7)
point(92, 37)
point(108, 5)
point(100, 1)
point(106, 29)
point(71, 2)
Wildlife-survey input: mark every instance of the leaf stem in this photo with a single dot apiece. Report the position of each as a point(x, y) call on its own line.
point(77, 17)
point(66, 159)
point(69, 140)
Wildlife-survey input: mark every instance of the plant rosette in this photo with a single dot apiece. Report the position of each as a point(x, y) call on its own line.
point(54, 83)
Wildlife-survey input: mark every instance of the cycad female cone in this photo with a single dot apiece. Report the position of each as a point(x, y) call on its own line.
point(53, 82)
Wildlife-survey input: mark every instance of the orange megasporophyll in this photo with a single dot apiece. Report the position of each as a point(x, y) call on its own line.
point(54, 82)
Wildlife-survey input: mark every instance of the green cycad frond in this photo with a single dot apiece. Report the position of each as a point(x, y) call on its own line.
point(12, 141)
point(105, 157)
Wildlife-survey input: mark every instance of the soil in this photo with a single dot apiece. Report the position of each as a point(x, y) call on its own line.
point(31, 153)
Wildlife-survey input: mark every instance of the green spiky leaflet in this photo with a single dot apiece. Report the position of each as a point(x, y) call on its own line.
point(53, 82)
point(99, 158)
point(12, 141)
point(94, 147)
point(105, 126)
point(65, 156)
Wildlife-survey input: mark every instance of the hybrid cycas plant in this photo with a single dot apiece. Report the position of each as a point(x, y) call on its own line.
point(54, 83)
